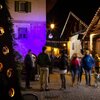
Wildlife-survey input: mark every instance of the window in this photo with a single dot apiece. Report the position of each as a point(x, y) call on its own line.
point(22, 6)
point(22, 33)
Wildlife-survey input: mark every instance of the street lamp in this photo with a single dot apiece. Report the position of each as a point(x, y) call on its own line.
point(52, 25)
point(64, 45)
point(51, 34)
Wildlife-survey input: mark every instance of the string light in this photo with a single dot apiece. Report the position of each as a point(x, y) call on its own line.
point(48, 41)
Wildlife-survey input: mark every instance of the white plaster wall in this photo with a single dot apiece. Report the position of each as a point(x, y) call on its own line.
point(38, 11)
point(77, 46)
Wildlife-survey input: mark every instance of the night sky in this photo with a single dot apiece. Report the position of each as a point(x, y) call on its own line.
point(84, 9)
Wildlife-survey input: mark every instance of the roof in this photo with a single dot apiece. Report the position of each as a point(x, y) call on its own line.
point(94, 26)
point(72, 25)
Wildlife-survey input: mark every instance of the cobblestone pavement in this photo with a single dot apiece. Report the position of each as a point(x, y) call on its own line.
point(78, 92)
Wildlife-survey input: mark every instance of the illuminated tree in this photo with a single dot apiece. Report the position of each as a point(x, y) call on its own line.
point(9, 82)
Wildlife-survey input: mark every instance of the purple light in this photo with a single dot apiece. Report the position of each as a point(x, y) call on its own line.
point(36, 38)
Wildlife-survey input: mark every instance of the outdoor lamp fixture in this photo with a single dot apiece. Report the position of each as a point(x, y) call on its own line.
point(52, 26)
point(64, 44)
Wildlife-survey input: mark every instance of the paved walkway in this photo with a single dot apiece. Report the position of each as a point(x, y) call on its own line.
point(80, 92)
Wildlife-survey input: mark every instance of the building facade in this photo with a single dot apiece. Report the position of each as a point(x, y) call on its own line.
point(73, 29)
point(93, 34)
point(29, 19)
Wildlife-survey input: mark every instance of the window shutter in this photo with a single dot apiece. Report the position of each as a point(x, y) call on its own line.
point(16, 5)
point(28, 6)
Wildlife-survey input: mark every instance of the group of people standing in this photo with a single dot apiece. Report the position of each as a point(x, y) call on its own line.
point(37, 65)
point(76, 66)
point(86, 64)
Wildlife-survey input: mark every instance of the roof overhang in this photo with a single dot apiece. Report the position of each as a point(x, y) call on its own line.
point(94, 27)
point(68, 18)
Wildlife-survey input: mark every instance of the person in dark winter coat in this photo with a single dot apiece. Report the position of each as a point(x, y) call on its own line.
point(28, 67)
point(88, 63)
point(43, 62)
point(63, 69)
